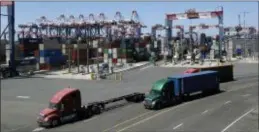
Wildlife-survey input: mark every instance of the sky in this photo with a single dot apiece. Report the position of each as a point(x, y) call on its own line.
point(150, 13)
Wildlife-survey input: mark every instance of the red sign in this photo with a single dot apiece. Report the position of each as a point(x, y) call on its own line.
point(6, 2)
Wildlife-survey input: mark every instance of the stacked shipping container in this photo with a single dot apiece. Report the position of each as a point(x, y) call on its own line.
point(127, 50)
point(50, 56)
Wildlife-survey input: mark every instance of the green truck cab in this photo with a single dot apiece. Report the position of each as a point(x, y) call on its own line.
point(160, 93)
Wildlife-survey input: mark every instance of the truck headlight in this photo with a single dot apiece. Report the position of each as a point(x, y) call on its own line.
point(154, 102)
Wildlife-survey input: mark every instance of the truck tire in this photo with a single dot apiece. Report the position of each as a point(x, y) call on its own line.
point(129, 99)
point(96, 110)
point(158, 106)
point(55, 122)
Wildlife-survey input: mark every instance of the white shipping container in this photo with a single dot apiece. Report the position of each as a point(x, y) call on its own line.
point(110, 60)
point(155, 44)
point(114, 55)
point(105, 60)
point(95, 44)
point(100, 50)
point(105, 55)
point(63, 51)
point(75, 46)
point(42, 60)
point(41, 46)
point(124, 61)
point(119, 61)
point(115, 50)
point(63, 46)
point(109, 51)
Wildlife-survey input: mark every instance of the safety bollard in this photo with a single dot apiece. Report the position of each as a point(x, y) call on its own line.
point(92, 76)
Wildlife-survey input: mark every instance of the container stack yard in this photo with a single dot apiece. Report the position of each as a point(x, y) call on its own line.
point(83, 40)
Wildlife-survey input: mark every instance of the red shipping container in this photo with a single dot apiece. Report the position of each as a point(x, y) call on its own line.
point(36, 53)
point(45, 67)
point(114, 60)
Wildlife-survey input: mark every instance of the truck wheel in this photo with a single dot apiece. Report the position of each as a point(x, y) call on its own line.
point(129, 99)
point(158, 106)
point(96, 110)
point(55, 123)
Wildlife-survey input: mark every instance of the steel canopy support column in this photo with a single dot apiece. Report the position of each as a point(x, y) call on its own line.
point(153, 33)
point(221, 32)
point(168, 24)
point(10, 10)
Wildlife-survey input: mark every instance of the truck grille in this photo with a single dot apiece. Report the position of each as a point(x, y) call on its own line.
point(148, 101)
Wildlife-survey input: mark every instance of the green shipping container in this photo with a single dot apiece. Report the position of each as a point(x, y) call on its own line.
point(123, 51)
point(105, 51)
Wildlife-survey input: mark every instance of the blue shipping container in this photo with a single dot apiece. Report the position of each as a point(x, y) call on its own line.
point(55, 60)
point(195, 82)
point(52, 52)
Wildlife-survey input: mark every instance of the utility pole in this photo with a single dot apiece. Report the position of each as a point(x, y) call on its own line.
point(239, 20)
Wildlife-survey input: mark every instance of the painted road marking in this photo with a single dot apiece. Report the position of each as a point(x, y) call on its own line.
point(227, 102)
point(204, 112)
point(23, 97)
point(231, 124)
point(108, 129)
point(246, 95)
point(178, 126)
point(38, 129)
point(15, 129)
point(155, 115)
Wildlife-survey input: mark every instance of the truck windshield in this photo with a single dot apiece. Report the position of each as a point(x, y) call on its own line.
point(53, 106)
point(154, 92)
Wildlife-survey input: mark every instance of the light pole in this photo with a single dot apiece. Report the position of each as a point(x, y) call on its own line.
point(245, 37)
point(221, 31)
point(78, 42)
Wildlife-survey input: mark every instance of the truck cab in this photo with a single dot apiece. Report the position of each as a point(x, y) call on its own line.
point(64, 106)
point(161, 94)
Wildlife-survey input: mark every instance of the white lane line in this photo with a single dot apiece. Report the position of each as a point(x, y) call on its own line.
point(155, 115)
point(178, 126)
point(231, 124)
point(15, 129)
point(227, 102)
point(23, 97)
point(246, 95)
point(108, 129)
point(204, 112)
point(38, 129)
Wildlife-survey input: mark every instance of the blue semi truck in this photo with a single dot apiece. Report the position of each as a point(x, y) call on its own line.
point(172, 90)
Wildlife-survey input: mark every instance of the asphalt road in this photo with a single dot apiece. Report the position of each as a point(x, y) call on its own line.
point(22, 99)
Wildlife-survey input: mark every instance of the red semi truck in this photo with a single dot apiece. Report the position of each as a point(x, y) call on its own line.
point(66, 106)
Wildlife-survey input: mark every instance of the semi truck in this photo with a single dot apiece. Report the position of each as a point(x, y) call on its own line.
point(66, 106)
point(172, 90)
